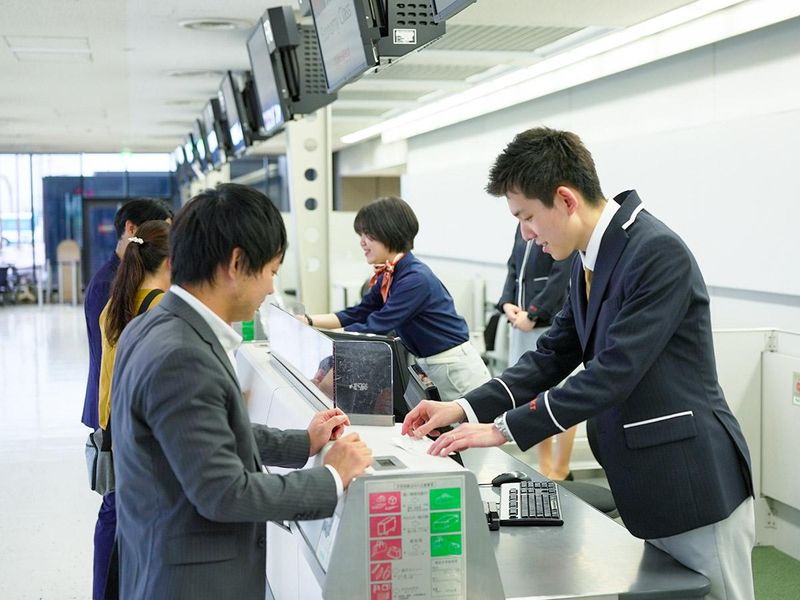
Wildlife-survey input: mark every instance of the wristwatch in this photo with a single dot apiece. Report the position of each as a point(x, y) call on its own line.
point(536, 313)
point(502, 427)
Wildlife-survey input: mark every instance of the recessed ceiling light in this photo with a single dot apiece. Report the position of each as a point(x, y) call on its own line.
point(215, 24)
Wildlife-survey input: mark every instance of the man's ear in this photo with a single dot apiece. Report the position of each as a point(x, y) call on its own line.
point(568, 197)
point(130, 228)
point(236, 262)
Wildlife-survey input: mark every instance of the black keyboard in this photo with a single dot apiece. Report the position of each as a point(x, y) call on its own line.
point(530, 503)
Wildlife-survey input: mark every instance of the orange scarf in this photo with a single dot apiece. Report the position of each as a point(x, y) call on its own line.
point(387, 269)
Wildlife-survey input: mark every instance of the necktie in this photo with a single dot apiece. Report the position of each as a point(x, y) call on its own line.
point(387, 270)
point(587, 275)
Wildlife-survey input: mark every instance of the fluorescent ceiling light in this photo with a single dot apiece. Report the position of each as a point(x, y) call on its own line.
point(572, 40)
point(690, 26)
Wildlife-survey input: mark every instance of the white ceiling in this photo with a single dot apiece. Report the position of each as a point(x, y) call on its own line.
point(103, 76)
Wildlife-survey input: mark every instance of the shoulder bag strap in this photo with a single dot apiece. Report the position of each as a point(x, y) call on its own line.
point(148, 300)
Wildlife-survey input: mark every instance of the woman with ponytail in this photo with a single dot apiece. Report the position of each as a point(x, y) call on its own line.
point(139, 285)
point(143, 276)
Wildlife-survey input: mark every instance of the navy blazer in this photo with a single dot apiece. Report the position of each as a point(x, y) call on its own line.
point(673, 452)
point(419, 310)
point(544, 281)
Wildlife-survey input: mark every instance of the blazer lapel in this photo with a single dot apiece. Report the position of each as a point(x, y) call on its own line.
point(177, 306)
point(613, 243)
point(577, 290)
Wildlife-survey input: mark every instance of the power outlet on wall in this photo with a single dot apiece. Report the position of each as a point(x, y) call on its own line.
point(770, 522)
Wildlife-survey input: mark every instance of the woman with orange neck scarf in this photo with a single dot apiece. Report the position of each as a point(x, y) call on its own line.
point(406, 298)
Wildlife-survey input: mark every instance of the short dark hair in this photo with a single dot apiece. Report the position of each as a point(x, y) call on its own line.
point(540, 160)
point(389, 220)
point(214, 222)
point(140, 210)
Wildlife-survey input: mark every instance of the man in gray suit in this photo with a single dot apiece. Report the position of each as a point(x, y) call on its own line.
point(192, 499)
point(637, 317)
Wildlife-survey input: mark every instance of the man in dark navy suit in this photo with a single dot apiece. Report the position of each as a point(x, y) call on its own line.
point(637, 316)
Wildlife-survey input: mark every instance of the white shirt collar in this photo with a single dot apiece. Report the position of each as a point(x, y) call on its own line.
point(227, 336)
point(593, 248)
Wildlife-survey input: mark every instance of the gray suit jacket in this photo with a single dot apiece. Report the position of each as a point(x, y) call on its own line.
point(192, 500)
point(673, 452)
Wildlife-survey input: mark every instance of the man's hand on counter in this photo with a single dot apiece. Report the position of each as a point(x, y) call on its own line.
point(326, 426)
point(350, 457)
point(429, 415)
point(468, 435)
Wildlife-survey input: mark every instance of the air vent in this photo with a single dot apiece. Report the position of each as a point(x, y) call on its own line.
point(215, 24)
point(416, 14)
point(201, 73)
point(312, 64)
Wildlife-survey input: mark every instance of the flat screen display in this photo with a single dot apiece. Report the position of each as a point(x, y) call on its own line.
point(303, 350)
point(363, 377)
point(269, 101)
point(179, 156)
point(199, 137)
point(340, 41)
point(227, 98)
point(212, 143)
point(188, 149)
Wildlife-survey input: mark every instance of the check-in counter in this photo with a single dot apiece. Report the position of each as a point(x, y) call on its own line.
point(414, 526)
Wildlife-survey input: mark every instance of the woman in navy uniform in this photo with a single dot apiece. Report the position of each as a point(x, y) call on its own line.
point(406, 298)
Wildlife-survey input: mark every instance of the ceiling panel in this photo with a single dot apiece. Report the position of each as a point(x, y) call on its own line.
point(503, 38)
point(406, 70)
point(106, 75)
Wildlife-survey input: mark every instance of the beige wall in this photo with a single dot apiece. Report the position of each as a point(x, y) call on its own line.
point(355, 192)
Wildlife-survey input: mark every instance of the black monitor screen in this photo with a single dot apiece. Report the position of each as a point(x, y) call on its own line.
point(213, 145)
point(179, 156)
point(444, 9)
point(400, 372)
point(269, 101)
point(363, 377)
point(228, 100)
point(341, 41)
point(188, 149)
point(199, 137)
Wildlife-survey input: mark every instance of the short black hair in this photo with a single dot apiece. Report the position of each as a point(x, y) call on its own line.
point(214, 222)
point(140, 210)
point(540, 160)
point(389, 220)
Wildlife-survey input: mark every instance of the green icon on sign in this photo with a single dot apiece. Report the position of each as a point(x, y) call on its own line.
point(445, 522)
point(445, 545)
point(445, 498)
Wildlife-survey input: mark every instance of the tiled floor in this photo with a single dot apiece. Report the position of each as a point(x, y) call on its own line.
point(47, 511)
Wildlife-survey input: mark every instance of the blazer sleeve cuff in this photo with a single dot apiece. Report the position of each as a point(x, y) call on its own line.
point(508, 429)
point(471, 416)
point(531, 423)
point(337, 479)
